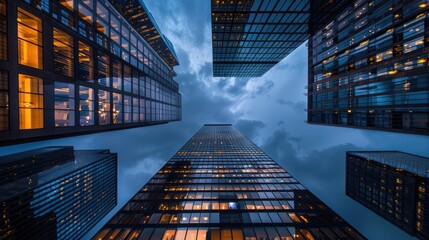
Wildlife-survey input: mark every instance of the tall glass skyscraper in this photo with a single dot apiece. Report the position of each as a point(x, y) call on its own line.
point(251, 36)
point(70, 67)
point(395, 185)
point(55, 192)
point(220, 185)
point(368, 65)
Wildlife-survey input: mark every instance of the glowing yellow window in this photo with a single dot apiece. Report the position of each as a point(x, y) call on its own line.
point(29, 39)
point(30, 102)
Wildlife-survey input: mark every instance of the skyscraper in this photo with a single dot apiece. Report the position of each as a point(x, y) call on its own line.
point(55, 192)
point(220, 185)
point(368, 65)
point(77, 67)
point(394, 185)
point(251, 36)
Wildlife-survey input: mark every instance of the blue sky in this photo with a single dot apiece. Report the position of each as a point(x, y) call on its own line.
point(269, 110)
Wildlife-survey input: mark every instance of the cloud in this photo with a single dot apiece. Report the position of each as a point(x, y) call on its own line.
point(250, 128)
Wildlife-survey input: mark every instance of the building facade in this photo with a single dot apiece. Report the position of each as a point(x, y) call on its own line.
point(220, 185)
point(251, 36)
point(368, 65)
point(56, 193)
point(394, 185)
point(81, 66)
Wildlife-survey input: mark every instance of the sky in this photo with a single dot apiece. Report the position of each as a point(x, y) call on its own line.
point(270, 110)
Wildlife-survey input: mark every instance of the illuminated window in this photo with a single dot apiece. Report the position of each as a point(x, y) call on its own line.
point(103, 107)
point(30, 102)
point(4, 101)
point(63, 53)
point(117, 108)
point(3, 30)
point(29, 39)
point(86, 63)
point(67, 3)
point(86, 106)
point(102, 18)
point(64, 104)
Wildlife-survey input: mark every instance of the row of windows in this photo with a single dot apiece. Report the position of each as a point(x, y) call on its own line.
point(220, 187)
point(216, 195)
point(100, 22)
point(126, 109)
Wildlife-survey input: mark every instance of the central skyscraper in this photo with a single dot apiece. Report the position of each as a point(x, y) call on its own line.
point(220, 185)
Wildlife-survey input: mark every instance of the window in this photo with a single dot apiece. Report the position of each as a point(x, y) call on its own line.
point(64, 104)
point(63, 53)
point(127, 109)
point(102, 18)
point(86, 63)
point(127, 78)
point(117, 108)
point(103, 69)
point(142, 113)
point(30, 102)
point(4, 101)
point(103, 107)
point(86, 106)
point(3, 30)
point(135, 110)
point(29, 39)
point(69, 4)
point(117, 74)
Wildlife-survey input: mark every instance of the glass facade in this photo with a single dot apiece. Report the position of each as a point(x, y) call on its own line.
point(55, 192)
point(392, 184)
point(220, 185)
point(250, 37)
point(368, 66)
point(88, 67)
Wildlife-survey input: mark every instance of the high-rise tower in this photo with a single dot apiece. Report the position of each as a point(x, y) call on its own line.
point(220, 185)
point(395, 185)
point(77, 67)
point(250, 37)
point(368, 65)
point(55, 192)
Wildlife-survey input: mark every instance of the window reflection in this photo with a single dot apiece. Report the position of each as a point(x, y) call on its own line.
point(64, 104)
point(86, 106)
point(103, 107)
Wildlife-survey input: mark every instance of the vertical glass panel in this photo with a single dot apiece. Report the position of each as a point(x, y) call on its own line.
point(102, 18)
point(30, 102)
point(3, 30)
point(86, 106)
point(191, 234)
point(103, 69)
point(169, 234)
point(180, 234)
point(127, 109)
point(117, 74)
point(202, 234)
point(85, 13)
point(64, 104)
point(117, 108)
point(86, 63)
point(29, 40)
point(4, 100)
point(63, 53)
point(103, 107)
point(142, 110)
